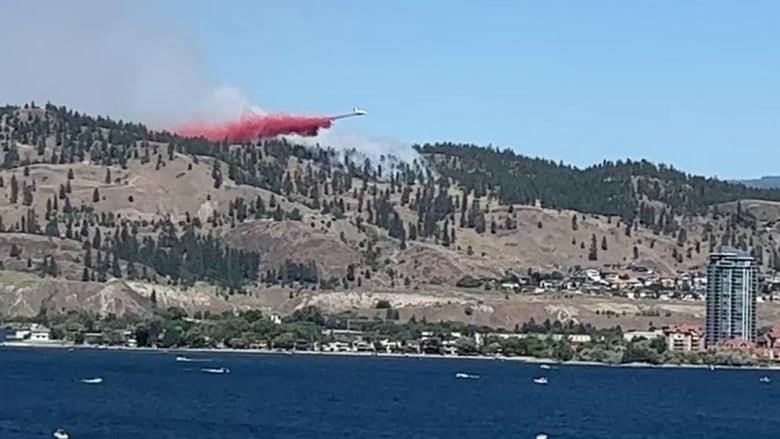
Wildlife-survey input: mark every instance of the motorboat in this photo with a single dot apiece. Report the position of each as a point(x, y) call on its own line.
point(221, 370)
point(466, 376)
point(540, 380)
point(545, 367)
point(61, 434)
point(92, 380)
point(183, 359)
point(765, 379)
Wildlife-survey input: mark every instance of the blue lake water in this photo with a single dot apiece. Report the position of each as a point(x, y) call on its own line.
point(150, 395)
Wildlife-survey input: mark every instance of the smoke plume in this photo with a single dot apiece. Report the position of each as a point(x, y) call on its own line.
point(129, 61)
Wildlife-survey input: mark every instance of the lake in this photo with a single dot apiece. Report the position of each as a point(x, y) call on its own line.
point(151, 395)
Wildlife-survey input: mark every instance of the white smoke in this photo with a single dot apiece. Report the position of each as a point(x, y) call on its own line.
point(109, 58)
point(373, 147)
point(126, 61)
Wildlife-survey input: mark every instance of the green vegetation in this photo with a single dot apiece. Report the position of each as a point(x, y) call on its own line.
point(609, 188)
point(308, 327)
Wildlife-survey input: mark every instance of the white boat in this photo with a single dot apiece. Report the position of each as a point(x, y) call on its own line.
point(466, 376)
point(221, 370)
point(545, 367)
point(765, 379)
point(61, 434)
point(192, 360)
point(541, 380)
point(541, 436)
point(92, 380)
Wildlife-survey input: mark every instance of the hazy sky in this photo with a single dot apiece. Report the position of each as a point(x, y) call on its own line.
point(692, 83)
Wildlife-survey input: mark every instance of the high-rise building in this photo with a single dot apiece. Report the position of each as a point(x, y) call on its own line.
point(732, 285)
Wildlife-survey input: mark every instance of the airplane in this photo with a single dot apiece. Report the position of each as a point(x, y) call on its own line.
point(359, 111)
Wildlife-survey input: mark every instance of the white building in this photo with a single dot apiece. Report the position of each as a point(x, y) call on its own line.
point(649, 335)
point(40, 333)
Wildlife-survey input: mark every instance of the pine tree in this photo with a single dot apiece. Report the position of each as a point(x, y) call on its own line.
point(27, 195)
point(593, 252)
point(604, 243)
point(14, 190)
point(108, 175)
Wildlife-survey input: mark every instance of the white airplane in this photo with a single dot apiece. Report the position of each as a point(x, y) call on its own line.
point(359, 111)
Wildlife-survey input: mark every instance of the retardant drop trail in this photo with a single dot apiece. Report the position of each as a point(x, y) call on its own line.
point(254, 126)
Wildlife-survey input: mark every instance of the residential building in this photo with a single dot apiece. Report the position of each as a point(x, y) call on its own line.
point(647, 335)
point(731, 297)
point(39, 333)
point(684, 338)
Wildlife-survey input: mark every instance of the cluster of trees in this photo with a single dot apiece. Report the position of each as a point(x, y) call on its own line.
point(172, 328)
point(609, 188)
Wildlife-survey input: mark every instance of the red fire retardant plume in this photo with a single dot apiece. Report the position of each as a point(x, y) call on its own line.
point(254, 127)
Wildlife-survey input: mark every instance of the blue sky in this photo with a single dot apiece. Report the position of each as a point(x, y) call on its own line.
point(695, 84)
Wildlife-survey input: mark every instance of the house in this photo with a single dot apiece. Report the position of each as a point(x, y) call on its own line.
point(276, 319)
point(510, 286)
point(684, 338)
point(336, 346)
point(648, 335)
point(362, 346)
point(391, 346)
point(40, 333)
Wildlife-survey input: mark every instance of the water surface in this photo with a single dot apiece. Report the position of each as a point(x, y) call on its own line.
point(150, 395)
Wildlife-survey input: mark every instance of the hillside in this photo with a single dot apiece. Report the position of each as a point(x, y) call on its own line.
point(116, 211)
point(767, 182)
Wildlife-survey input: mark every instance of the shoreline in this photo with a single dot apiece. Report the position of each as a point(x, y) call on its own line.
point(261, 352)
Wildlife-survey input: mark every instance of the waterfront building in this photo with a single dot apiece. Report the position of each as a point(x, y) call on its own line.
point(731, 297)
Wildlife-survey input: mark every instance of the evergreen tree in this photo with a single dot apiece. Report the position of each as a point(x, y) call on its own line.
point(593, 252)
point(14, 190)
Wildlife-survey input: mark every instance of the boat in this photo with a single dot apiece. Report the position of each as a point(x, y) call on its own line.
point(466, 376)
point(712, 367)
point(92, 380)
point(541, 436)
point(765, 379)
point(221, 370)
point(61, 434)
point(545, 367)
point(541, 380)
point(192, 360)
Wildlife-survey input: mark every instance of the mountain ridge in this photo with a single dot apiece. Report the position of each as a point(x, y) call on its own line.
point(91, 199)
